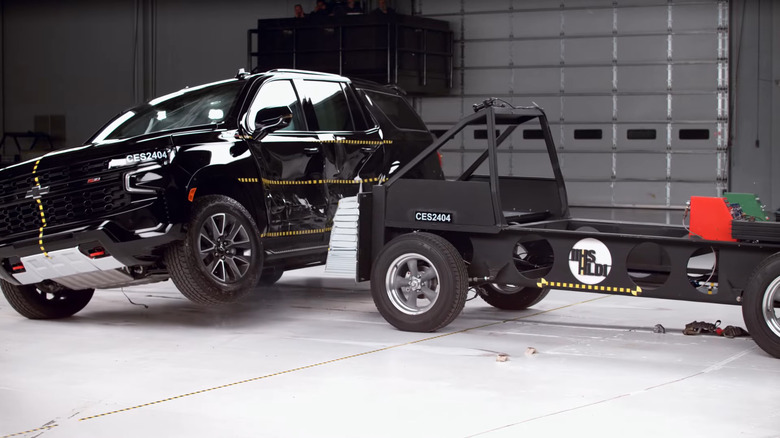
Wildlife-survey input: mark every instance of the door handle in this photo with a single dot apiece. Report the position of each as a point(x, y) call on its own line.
point(369, 149)
point(311, 151)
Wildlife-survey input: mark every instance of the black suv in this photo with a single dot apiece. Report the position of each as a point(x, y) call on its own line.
point(220, 187)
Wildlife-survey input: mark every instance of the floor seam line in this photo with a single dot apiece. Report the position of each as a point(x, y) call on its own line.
point(327, 362)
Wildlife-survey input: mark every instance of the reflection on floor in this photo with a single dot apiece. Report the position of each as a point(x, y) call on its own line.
point(311, 357)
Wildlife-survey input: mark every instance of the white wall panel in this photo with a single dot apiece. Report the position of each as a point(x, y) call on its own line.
point(488, 54)
point(681, 193)
point(586, 50)
point(530, 164)
point(698, 47)
point(640, 166)
point(644, 69)
point(637, 108)
point(587, 108)
point(486, 26)
point(632, 49)
point(486, 5)
point(640, 193)
point(588, 166)
point(646, 78)
point(695, 77)
point(653, 19)
point(535, 52)
point(597, 193)
point(440, 109)
point(695, 17)
point(587, 21)
point(588, 79)
point(535, 24)
point(695, 107)
point(695, 166)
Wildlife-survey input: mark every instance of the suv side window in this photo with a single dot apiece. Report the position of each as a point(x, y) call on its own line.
point(277, 93)
point(397, 109)
point(331, 112)
point(363, 121)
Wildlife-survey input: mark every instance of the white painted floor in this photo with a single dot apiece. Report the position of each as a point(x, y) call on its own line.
point(311, 357)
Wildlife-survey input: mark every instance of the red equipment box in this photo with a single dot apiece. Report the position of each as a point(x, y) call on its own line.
point(711, 218)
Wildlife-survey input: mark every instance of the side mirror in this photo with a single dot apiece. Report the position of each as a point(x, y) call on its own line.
point(271, 119)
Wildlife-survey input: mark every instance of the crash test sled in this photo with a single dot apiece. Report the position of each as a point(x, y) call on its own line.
point(424, 243)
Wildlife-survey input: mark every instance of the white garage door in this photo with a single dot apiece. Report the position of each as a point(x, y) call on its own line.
point(636, 91)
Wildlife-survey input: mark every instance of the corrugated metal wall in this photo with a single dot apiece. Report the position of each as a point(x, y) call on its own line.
point(637, 91)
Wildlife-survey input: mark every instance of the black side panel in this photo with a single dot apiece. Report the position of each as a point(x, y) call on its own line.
point(468, 203)
point(528, 195)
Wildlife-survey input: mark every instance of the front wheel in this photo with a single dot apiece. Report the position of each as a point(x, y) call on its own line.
point(221, 258)
point(761, 303)
point(419, 282)
point(511, 297)
point(47, 300)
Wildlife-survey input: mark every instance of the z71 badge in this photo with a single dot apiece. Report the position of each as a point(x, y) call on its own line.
point(429, 216)
point(146, 156)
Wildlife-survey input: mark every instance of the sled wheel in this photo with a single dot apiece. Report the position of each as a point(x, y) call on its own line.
point(419, 282)
point(511, 297)
point(761, 305)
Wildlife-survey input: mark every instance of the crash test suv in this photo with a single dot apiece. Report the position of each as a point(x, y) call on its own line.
point(220, 187)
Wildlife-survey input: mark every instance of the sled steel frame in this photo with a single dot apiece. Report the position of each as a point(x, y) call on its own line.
point(493, 216)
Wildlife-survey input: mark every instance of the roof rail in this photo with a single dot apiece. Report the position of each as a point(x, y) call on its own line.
point(292, 70)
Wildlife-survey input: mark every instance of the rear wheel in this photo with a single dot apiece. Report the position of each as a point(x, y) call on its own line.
point(419, 282)
point(47, 300)
point(220, 259)
point(761, 305)
point(511, 297)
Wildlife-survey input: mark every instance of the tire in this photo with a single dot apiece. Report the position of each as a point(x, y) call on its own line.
point(270, 276)
point(47, 300)
point(761, 305)
point(510, 297)
point(438, 294)
point(220, 259)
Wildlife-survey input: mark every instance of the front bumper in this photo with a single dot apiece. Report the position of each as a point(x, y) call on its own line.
point(73, 253)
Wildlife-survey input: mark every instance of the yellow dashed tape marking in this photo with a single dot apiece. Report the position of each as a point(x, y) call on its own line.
point(360, 142)
point(273, 182)
point(543, 283)
point(31, 431)
point(327, 362)
point(40, 208)
point(295, 233)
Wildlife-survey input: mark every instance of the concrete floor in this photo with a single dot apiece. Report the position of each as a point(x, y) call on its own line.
point(311, 357)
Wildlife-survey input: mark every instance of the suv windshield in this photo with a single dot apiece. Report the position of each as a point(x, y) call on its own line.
point(202, 105)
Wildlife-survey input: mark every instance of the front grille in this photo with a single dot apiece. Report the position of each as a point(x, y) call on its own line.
point(70, 198)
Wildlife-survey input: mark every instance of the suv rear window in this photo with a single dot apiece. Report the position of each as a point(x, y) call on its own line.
point(397, 110)
point(330, 105)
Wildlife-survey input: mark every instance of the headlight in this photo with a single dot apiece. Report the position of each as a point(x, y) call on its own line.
point(147, 179)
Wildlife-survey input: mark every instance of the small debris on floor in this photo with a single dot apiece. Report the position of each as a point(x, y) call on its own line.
point(530, 351)
point(502, 357)
point(732, 331)
point(658, 328)
point(701, 327)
